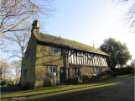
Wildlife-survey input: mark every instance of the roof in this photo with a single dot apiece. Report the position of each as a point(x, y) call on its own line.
point(62, 42)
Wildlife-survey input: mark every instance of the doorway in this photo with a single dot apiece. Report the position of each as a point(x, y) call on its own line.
point(62, 75)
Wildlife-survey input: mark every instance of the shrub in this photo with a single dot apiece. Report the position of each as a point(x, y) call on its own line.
point(124, 71)
point(6, 83)
point(3, 82)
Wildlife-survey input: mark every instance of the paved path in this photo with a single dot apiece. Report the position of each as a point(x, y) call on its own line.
point(121, 92)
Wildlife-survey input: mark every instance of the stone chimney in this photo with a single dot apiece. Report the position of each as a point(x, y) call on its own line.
point(35, 26)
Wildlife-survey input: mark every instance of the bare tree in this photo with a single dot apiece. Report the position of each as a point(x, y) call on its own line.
point(15, 19)
point(15, 44)
point(16, 65)
point(15, 23)
point(14, 12)
point(131, 13)
point(3, 68)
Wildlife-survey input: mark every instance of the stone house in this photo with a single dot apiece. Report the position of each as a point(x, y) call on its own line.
point(51, 60)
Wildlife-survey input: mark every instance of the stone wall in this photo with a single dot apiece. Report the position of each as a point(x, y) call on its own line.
point(45, 58)
point(28, 65)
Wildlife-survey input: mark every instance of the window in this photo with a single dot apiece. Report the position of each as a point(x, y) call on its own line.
point(99, 62)
point(90, 56)
point(104, 62)
point(52, 70)
point(79, 54)
point(55, 51)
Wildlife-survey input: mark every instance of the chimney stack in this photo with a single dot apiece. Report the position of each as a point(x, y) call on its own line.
point(35, 26)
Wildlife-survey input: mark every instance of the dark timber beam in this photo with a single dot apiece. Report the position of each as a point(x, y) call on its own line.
point(65, 53)
point(76, 57)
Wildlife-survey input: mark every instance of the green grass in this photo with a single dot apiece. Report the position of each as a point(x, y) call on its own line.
point(54, 90)
point(50, 91)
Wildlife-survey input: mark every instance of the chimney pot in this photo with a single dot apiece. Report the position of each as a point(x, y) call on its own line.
point(35, 26)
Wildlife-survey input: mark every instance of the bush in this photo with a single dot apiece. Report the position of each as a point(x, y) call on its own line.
point(124, 71)
point(6, 83)
point(10, 83)
point(26, 86)
point(107, 74)
point(3, 82)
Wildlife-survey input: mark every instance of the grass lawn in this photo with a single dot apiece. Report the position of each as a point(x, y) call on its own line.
point(50, 91)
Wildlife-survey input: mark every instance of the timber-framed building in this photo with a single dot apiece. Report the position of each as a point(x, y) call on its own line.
point(51, 60)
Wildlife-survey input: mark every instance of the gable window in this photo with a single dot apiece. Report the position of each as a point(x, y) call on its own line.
point(55, 51)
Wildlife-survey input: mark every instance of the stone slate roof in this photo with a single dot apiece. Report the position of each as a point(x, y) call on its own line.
point(62, 42)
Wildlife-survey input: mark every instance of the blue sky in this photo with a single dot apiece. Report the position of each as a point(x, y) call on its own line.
point(89, 21)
